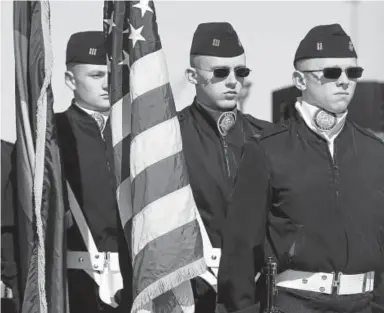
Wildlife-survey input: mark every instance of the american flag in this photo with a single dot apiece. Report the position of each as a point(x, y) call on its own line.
point(155, 200)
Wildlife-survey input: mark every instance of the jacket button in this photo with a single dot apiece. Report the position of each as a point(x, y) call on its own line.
point(324, 277)
point(95, 266)
point(97, 256)
point(322, 289)
point(213, 257)
point(81, 259)
point(305, 280)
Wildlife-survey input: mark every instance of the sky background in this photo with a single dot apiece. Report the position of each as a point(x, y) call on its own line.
point(269, 31)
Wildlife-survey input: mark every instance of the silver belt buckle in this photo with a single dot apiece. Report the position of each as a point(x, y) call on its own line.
point(336, 282)
point(365, 282)
point(96, 266)
point(107, 259)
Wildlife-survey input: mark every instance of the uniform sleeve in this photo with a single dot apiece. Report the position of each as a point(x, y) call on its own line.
point(243, 235)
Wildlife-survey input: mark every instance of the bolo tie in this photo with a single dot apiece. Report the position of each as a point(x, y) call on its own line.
point(225, 122)
point(324, 120)
point(99, 118)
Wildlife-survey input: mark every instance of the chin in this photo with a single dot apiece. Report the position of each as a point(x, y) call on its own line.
point(226, 104)
point(338, 108)
point(341, 105)
point(102, 107)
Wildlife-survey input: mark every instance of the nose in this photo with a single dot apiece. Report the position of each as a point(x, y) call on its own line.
point(343, 80)
point(105, 83)
point(231, 79)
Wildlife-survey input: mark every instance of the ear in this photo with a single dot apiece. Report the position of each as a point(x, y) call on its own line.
point(191, 74)
point(70, 80)
point(299, 80)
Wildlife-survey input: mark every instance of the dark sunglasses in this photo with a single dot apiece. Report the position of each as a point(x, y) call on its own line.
point(335, 72)
point(222, 72)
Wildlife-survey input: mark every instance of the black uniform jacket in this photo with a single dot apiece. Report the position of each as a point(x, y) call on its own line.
point(312, 212)
point(212, 161)
point(9, 240)
point(88, 167)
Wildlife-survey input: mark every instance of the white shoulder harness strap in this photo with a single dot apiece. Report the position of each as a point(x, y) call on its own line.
point(103, 267)
point(211, 255)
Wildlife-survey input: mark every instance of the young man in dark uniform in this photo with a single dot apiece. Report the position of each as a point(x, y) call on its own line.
point(86, 146)
point(311, 195)
point(213, 133)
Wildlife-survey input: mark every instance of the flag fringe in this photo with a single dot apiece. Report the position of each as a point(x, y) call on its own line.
point(41, 117)
point(168, 282)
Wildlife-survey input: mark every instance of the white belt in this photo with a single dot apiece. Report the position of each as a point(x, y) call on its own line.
point(100, 262)
point(6, 292)
point(102, 267)
point(326, 282)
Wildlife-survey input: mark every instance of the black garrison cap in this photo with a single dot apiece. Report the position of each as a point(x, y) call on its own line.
point(325, 41)
point(86, 47)
point(217, 39)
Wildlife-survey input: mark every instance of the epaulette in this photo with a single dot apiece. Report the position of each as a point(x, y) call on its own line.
point(270, 131)
point(257, 123)
point(366, 132)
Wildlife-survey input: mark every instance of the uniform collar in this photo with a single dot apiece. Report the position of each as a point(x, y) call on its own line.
point(343, 142)
point(220, 121)
point(101, 118)
point(308, 111)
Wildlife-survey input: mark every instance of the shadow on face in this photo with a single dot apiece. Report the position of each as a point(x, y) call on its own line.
point(89, 83)
point(217, 92)
point(332, 94)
